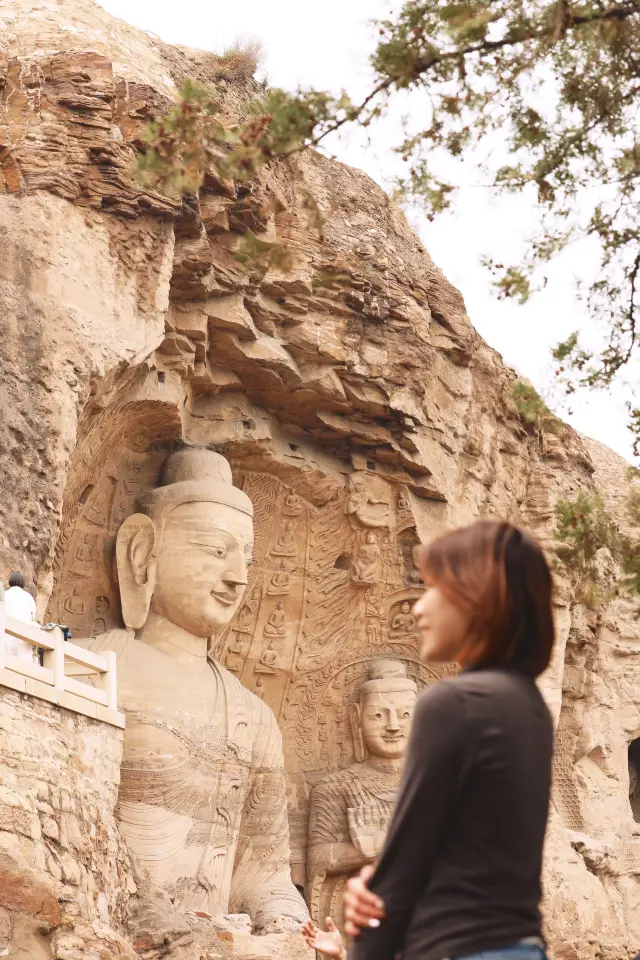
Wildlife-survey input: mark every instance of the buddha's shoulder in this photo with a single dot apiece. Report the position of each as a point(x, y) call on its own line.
point(259, 711)
point(339, 781)
point(121, 642)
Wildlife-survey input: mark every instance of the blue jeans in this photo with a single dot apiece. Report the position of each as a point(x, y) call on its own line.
point(519, 951)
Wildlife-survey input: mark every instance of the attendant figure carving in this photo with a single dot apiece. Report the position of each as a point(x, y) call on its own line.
point(350, 809)
point(365, 564)
point(202, 799)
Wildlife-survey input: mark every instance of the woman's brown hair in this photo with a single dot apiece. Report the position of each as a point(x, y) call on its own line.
point(499, 575)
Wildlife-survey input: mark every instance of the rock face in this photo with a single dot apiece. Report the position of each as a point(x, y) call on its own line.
point(358, 415)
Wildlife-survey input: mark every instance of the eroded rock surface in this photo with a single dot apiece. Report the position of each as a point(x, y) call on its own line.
point(357, 416)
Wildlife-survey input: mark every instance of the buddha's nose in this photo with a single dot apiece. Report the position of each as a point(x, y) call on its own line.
point(392, 722)
point(235, 573)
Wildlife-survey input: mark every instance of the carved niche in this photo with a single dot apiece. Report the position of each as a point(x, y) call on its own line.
point(331, 579)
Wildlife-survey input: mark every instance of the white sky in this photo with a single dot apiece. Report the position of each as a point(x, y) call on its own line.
point(325, 44)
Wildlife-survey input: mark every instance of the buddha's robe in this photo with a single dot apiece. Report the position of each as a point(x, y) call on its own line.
point(202, 798)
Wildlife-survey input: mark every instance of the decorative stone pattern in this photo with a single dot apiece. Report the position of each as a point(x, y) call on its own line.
point(358, 417)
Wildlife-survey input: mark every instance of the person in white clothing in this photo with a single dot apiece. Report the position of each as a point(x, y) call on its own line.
point(19, 604)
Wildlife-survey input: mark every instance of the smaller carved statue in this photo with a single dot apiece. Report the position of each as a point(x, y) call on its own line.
point(267, 660)
point(259, 690)
point(280, 581)
point(350, 809)
point(292, 504)
point(404, 621)
point(275, 626)
point(364, 568)
point(403, 502)
point(87, 550)
point(373, 632)
point(102, 607)
point(286, 544)
point(371, 509)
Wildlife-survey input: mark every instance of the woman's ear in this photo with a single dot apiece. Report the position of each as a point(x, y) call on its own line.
point(135, 555)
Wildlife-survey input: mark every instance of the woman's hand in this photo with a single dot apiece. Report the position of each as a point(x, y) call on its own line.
point(362, 908)
point(327, 942)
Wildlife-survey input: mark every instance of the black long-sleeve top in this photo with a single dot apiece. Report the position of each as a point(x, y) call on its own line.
point(460, 869)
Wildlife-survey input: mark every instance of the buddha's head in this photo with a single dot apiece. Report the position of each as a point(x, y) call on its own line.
point(184, 554)
point(381, 720)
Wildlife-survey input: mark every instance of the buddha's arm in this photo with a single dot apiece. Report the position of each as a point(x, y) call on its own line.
point(262, 885)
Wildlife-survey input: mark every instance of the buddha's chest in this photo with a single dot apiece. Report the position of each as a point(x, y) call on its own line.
point(181, 718)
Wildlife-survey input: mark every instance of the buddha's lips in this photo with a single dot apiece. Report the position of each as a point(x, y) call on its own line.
point(226, 599)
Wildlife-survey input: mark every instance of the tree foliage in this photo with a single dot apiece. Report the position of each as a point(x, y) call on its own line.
point(584, 528)
point(533, 411)
point(553, 85)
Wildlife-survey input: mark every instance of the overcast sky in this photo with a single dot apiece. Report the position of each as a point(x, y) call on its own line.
point(325, 44)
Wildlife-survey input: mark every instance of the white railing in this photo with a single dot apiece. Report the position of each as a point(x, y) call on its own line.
point(98, 699)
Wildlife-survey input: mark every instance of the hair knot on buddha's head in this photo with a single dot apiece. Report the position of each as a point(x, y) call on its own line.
point(196, 463)
point(194, 475)
point(387, 675)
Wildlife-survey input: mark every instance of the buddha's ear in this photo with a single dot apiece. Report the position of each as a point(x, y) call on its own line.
point(135, 555)
point(356, 729)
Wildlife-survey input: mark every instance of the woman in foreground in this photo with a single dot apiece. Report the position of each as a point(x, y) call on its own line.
point(459, 876)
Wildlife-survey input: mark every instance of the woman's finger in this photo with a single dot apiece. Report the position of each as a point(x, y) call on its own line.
point(330, 925)
point(358, 896)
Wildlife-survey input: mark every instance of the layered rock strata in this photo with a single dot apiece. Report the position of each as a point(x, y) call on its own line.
point(358, 415)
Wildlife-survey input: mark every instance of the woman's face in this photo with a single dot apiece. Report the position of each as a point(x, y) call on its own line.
point(442, 624)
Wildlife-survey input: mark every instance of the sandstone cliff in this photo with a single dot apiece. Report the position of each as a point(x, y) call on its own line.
point(128, 326)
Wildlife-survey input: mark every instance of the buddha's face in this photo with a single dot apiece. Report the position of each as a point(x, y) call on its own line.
point(385, 719)
point(202, 566)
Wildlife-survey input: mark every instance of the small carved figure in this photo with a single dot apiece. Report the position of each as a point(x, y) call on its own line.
point(372, 510)
point(243, 623)
point(403, 502)
point(75, 605)
point(267, 660)
point(365, 564)
point(373, 633)
point(280, 581)
point(292, 504)
point(102, 607)
point(87, 550)
point(350, 808)
point(275, 626)
point(286, 544)
point(259, 690)
point(404, 621)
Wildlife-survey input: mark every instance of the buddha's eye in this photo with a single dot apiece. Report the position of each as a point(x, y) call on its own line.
point(220, 550)
point(378, 716)
point(405, 716)
point(249, 561)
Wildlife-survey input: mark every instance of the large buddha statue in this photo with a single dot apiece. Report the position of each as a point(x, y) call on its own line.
point(351, 809)
point(202, 801)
